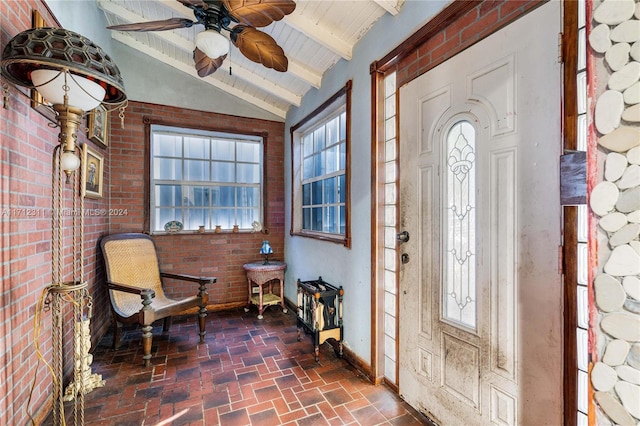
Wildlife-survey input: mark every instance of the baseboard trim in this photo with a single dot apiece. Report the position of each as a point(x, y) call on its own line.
point(348, 355)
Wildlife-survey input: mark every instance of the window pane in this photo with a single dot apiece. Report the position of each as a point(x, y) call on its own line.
point(307, 168)
point(166, 215)
point(343, 156)
point(167, 169)
point(222, 172)
point(193, 218)
point(248, 173)
point(197, 196)
point(390, 128)
point(343, 126)
point(342, 188)
point(307, 145)
point(306, 194)
point(316, 192)
point(167, 146)
point(333, 159)
point(248, 197)
point(306, 218)
point(343, 220)
point(196, 170)
point(318, 164)
point(222, 149)
point(196, 148)
point(330, 219)
point(390, 106)
point(249, 152)
point(168, 195)
point(246, 217)
point(330, 191)
point(223, 217)
point(316, 218)
point(223, 196)
point(332, 135)
point(318, 139)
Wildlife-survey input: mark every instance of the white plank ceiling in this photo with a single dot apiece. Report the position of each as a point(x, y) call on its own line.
point(314, 37)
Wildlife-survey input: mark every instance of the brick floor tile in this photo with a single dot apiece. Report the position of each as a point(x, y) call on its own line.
point(235, 418)
point(248, 371)
point(310, 397)
point(314, 420)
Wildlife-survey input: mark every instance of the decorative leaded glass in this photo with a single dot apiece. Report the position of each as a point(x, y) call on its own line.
point(460, 245)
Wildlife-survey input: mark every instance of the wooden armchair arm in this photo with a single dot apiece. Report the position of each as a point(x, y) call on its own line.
point(192, 278)
point(202, 283)
point(145, 293)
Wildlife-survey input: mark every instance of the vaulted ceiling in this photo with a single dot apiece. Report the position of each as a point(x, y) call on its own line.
point(314, 37)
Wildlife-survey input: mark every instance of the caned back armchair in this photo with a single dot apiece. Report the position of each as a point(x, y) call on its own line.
point(136, 288)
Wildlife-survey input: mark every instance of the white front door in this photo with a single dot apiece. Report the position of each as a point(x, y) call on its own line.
point(480, 287)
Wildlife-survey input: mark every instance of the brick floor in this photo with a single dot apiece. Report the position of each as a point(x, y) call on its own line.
point(248, 372)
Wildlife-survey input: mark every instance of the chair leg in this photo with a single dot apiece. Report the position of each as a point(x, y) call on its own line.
point(201, 322)
point(117, 328)
point(167, 324)
point(146, 344)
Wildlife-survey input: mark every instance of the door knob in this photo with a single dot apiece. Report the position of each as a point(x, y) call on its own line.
point(403, 236)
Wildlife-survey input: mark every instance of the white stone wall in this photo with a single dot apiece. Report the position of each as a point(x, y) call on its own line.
point(615, 201)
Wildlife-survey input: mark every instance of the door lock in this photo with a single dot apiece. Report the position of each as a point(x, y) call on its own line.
point(404, 258)
point(403, 236)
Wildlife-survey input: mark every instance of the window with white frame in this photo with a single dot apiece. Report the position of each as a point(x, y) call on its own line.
point(320, 150)
point(204, 179)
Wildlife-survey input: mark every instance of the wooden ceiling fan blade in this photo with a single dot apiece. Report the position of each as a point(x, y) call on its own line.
point(167, 24)
point(259, 13)
point(204, 64)
point(194, 3)
point(259, 47)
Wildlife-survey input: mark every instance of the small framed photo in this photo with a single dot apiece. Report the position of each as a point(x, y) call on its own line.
point(93, 164)
point(98, 126)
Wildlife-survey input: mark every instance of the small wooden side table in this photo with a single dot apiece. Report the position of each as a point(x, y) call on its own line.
point(259, 274)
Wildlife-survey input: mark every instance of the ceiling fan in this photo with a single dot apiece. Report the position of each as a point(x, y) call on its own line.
point(240, 18)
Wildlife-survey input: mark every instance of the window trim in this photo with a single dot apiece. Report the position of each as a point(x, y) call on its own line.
point(320, 113)
point(150, 121)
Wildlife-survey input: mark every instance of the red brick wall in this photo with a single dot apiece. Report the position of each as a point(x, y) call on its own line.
point(482, 20)
point(26, 148)
point(209, 254)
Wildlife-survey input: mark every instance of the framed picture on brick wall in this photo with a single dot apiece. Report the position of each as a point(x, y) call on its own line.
point(93, 169)
point(98, 126)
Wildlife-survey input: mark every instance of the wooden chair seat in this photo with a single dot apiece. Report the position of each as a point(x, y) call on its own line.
point(136, 288)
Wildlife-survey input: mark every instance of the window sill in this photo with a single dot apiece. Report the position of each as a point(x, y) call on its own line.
point(336, 239)
point(208, 232)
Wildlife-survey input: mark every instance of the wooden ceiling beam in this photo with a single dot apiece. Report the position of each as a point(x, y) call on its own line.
point(320, 35)
point(391, 6)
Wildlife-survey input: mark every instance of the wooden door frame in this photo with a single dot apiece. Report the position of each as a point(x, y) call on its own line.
point(405, 61)
point(569, 57)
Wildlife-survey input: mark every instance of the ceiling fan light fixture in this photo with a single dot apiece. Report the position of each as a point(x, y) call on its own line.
point(212, 43)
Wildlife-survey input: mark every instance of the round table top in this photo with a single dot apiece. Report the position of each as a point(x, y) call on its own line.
point(260, 266)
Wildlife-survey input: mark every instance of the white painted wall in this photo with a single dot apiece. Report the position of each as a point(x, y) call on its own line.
point(350, 268)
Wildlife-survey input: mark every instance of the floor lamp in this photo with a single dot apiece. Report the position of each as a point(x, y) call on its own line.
point(74, 76)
